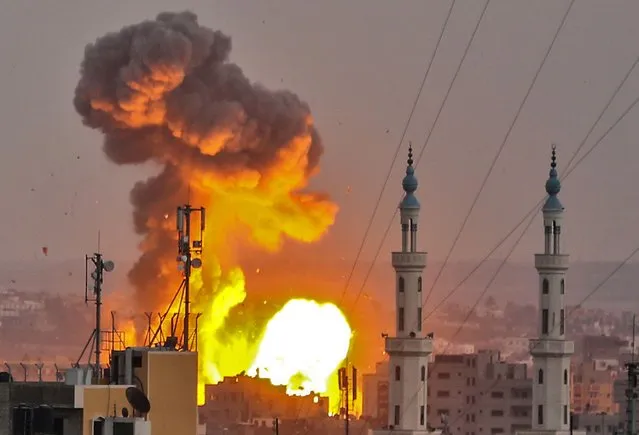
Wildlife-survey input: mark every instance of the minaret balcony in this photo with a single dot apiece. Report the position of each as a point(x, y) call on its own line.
point(408, 346)
point(552, 262)
point(550, 347)
point(409, 260)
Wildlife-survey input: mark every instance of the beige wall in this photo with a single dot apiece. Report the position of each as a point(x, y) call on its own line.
point(171, 385)
point(99, 401)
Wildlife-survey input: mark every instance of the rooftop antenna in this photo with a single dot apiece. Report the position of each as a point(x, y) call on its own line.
point(93, 293)
point(186, 249)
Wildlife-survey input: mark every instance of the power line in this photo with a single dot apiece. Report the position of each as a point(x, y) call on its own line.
point(482, 186)
point(532, 211)
point(567, 174)
point(397, 149)
point(426, 141)
point(588, 296)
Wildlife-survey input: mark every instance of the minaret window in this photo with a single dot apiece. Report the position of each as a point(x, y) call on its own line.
point(396, 419)
point(540, 377)
point(400, 320)
point(401, 284)
point(421, 415)
point(540, 414)
point(398, 373)
point(419, 318)
point(545, 286)
point(565, 377)
point(562, 323)
point(544, 321)
point(419, 284)
point(566, 414)
point(423, 373)
point(562, 287)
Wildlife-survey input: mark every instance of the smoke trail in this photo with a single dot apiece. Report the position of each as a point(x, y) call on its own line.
point(164, 91)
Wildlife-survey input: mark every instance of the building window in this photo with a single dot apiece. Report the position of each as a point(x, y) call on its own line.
point(565, 414)
point(423, 373)
point(565, 376)
point(545, 286)
point(419, 318)
point(401, 284)
point(443, 375)
point(496, 413)
point(544, 321)
point(400, 319)
point(540, 414)
point(419, 284)
point(540, 377)
point(421, 415)
point(396, 415)
point(497, 394)
point(562, 287)
point(398, 372)
point(443, 393)
point(562, 322)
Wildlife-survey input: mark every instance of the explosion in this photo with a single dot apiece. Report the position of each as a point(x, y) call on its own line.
point(163, 91)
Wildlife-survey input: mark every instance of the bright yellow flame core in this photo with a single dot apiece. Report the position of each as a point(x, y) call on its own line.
point(303, 345)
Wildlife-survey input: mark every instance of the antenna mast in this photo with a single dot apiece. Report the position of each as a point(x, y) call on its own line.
point(97, 278)
point(186, 249)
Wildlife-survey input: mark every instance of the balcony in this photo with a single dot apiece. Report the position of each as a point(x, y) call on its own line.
point(408, 260)
point(409, 346)
point(542, 347)
point(552, 262)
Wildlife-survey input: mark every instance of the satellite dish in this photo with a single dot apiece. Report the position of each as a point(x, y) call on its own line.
point(196, 263)
point(125, 413)
point(138, 400)
point(108, 265)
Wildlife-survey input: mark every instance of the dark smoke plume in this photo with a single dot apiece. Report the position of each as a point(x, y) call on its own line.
point(164, 91)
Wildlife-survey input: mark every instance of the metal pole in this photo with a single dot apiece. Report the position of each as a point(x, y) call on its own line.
point(276, 426)
point(187, 276)
point(347, 420)
point(98, 313)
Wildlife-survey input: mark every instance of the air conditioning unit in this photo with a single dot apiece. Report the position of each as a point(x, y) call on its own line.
point(121, 426)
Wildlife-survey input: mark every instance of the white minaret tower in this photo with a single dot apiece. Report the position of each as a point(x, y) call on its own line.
point(408, 349)
point(551, 352)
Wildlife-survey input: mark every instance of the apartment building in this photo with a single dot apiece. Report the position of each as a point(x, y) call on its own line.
point(593, 388)
point(471, 394)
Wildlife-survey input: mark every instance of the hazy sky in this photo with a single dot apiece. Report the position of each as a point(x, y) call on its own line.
point(358, 64)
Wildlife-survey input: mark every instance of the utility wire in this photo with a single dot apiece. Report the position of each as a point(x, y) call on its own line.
point(482, 186)
point(426, 141)
point(532, 211)
point(588, 296)
point(397, 149)
point(564, 177)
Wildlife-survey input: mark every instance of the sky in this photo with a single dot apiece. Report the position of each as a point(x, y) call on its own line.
point(359, 65)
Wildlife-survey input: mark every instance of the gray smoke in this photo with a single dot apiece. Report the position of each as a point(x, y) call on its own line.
point(164, 91)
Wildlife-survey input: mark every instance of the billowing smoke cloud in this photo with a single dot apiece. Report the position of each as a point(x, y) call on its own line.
point(164, 91)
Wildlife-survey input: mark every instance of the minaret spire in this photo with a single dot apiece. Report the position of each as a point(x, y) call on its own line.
point(551, 351)
point(408, 348)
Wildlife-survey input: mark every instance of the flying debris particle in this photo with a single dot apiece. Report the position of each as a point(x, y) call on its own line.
point(387, 130)
point(348, 189)
point(257, 270)
point(32, 189)
point(45, 250)
point(166, 216)
point(77, 157)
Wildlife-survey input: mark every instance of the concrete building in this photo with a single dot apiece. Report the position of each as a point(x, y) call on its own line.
point(250, 401)
point(372, 407)
point(456, 387)
point(408, 349)
point(75, 405)
point(592, 388)
point(551, 352)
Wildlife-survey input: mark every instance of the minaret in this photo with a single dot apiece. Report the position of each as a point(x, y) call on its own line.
point(408, 349)
point(551, 352)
